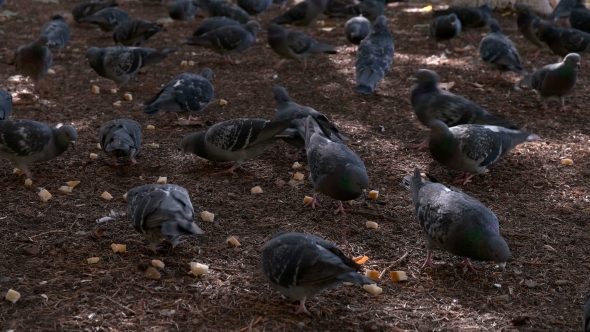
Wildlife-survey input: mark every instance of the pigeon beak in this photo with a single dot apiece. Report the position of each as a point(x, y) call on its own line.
point(502, 266)
point(365, 193)
point(73, 143)
point(579, 65)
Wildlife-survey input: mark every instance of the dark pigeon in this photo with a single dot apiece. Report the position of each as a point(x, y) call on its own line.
point(302, 14)
point(555, 80)
point(34, 60)
point(471, 148)
point(120, 63)
point(374, 57)
point(303, 265)
point(186, 93)
point(371, 9)
point(108, 19)
point(356, 29)
point(212, 23)
point(226, 9)
point(120, 138)
point(527, 24)
point(470, 17)
point(586, 317)
point(255, 7)
point(291, 44)
point(498, 52)
point(135, 32)
point(161, 212)
point(88, 8)
point(457, 223)
point(57, 33)
point(227, 39)
point(580, 17)
point(234, 140)
point(445, 27)
point(183, 10)
point(5, 104)
point(562, 10)
point(563, 41)
point(26, 142)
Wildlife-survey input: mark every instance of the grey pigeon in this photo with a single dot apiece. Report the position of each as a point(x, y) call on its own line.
point(470, 17)
point(108, 19)
point(226, 9)
point(356, 29)
point(291, 44)
point(527, 24)
point(234, 140)
point(471, 148)
point(289, 109)
point(563, 41)
point(135, 32)
point(88, 8)
point(120, 63)
point(34, 60)
point(57, 32)
point(457, 223)
point(562, 10)
point(183, 10)
point(432, 103)
point(371, 9)
point(555, 80)
point(374, 57)
point(5, 104)
point(254, 7)
point(335, 170)
point(302, 14)
point(498, 52)
point(586, 318)
point(338, 8)
point(161, 212)
point(27, 142)
point(303, 265)
point(580, 17)
point(120, 138)
point(212, 23)
point(445, 27)
point(186, 92)
point(227, 39)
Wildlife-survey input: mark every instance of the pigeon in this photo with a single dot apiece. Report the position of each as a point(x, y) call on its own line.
point(471, 148)
point(291, 44)
point(119, 63)
point(335, 170)
point(135, 32)
point(445, 27)
point(234, 140)
point(457, 223)
point(563, 41)
point(212, 23)
point(183, 10)
point(338, 8)
point(302, 14)
point(120, 138)
point(586, 322)
point(289, 109)
point(470, 17)
point(5, 104)
point(254, 7)
point(88, 8)
point(186, 92)
point(555, 80)
point(374, 57)
point(227, 39)
point(34, 60)
point(527, 23)
point(161, 212)
point(371, 9)
point(226, 9)
point(356, 29)
point(562, 10)
point(430, 102)
point(108, 19)
point(580, 17)
point(27, 142)
point(498, 52)
point(57, 33)
point(302, 265)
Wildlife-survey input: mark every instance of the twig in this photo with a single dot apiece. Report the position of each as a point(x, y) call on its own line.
point(399, 260)
point(120, 305)
point(224, 270)
point(252, 324)
point(41, 234)
point(370, 215)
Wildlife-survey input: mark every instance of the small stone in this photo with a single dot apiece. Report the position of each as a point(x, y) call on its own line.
point(152, 273)
point(95, 89)
point(530, 283)
point(151, 127)
point(256, 190)
point(222, 102)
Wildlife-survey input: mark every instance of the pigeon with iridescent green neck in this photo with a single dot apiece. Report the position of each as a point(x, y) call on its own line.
point(457, 223)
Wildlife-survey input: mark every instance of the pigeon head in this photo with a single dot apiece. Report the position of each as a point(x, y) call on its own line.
point(275, 34)
point(494, 26)
point(207, 74)
point(522, 8)
point(573, 60)
point(543, 29)
point(58, 17)
point(41, 40)
point(252, 27)
point(65, 135)
point(453, 18)
point(93, 55)
point(427, 77)
point(195, 143)
point(380, 26)
point(281, 95)
point(494, 249)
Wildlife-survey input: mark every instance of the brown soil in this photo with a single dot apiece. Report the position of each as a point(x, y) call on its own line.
point(542, 205)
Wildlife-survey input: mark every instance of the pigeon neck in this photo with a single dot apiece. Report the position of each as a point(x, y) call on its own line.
point(422, 91)
point(441, 140)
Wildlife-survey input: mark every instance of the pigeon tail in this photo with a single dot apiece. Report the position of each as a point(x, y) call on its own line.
point(364, 89)
point(356, 278)
point(532, 137)
point(199, 41)
point(159, 55)
point(527, 81)
point(491, 119)
point(325, 48)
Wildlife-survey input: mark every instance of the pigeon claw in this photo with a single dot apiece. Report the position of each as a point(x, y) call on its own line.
point(463, 178)
point(467, 264)
point(341, 209)
point(428, 262)
point(422, 145)
point(313, 203)
point(302, 309)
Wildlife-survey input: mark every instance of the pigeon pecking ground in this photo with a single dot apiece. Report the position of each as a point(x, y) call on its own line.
point(542, 205)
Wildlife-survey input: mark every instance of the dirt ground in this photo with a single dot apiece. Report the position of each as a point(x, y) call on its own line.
point(541, 203)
